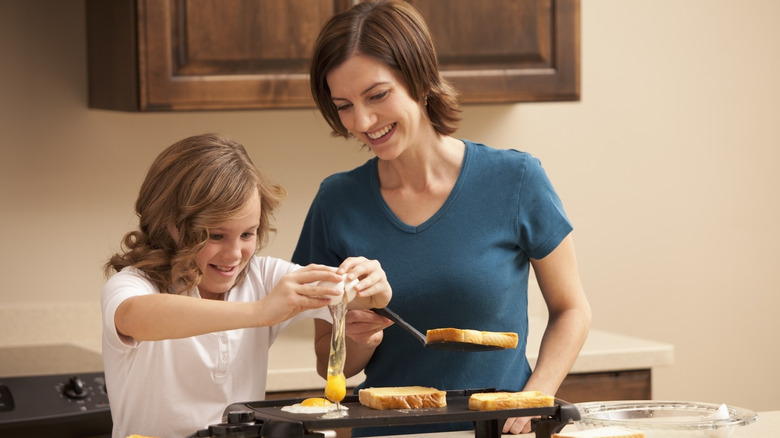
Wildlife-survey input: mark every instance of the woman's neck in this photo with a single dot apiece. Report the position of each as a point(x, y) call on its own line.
point(426, 164)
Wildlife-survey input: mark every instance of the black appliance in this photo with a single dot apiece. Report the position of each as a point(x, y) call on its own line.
point(266, 419)
point(52, 391)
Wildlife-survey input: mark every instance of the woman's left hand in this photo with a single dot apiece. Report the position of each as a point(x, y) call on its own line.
point(373, 289)
point(517, 425)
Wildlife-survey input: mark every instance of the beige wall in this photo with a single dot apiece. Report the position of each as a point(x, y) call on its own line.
point(666, 167)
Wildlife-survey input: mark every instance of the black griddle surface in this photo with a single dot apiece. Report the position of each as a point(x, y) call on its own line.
point(361, 416)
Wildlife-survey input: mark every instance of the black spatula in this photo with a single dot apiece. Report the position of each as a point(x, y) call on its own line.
point(441, 345)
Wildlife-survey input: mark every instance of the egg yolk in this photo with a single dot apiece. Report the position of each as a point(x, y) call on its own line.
point(315, 402)
point(336, 387)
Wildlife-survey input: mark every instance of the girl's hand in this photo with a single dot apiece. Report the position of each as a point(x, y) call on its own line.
point(298, 291)
point(373, 290)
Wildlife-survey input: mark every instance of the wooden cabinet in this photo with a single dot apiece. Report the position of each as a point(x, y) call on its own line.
point(162, 55)
point(501, 51)
point(605, 386)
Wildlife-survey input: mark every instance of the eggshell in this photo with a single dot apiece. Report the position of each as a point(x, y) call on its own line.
point(343, 285)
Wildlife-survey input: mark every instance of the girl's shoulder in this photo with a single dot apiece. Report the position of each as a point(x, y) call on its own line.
point(261, 264)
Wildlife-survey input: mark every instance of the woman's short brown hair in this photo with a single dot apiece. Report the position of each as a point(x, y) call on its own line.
point(193, 185)
point(393, 32)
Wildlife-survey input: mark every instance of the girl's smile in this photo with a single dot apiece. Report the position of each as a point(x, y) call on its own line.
point(230, 246)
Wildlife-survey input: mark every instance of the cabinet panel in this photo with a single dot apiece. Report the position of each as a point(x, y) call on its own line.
point(211, 54)
point(157, 55)
point(507, 50)
point(244, 36)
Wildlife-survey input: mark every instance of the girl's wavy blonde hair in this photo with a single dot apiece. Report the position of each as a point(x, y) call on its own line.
point(194, 184)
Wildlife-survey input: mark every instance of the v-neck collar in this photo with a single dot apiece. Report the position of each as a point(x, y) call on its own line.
point(377, 193)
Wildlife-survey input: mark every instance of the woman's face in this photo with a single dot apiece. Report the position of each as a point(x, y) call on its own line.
point(375, 106)
point(229, 248)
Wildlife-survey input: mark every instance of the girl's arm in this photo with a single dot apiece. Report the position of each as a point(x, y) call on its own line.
point(167, 316)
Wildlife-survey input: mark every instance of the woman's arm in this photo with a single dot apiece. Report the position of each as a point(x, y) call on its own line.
point(567, 326)
point(569, 317)
point(363, 334)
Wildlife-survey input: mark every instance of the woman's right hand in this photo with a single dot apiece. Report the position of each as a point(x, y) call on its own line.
point(365, 328)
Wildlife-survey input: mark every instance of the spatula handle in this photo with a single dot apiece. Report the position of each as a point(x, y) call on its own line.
point(389, 314)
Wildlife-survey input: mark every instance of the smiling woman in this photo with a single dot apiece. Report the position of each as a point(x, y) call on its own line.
point(456, 224)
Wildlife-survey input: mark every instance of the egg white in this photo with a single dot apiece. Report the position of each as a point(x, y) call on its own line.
point(300, 409)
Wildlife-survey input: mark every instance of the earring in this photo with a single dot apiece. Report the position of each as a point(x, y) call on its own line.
point(426, 100)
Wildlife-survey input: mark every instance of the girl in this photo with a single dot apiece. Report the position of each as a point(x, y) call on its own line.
point(191, 311)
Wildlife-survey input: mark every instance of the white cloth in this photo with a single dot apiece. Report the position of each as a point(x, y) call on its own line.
point(173, 388)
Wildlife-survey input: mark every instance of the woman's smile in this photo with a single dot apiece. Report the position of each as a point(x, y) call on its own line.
point(381, 132)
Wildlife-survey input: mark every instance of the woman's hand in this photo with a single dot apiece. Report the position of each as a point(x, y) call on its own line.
point(373, 290)
point(517, 425)
point(365, 328)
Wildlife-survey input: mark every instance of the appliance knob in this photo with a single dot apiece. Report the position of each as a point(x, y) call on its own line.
point(75, 389)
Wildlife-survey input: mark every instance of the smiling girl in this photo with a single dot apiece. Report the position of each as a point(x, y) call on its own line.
point(191, 310)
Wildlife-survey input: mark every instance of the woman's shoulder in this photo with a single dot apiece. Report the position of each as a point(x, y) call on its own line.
point(483, 151)
point(348, 184)
point(499, 161)
point(348, 176)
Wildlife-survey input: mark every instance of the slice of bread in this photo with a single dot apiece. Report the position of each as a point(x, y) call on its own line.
point(493, 401)
point(402, 397)
point(498, 339)
point(601, 432)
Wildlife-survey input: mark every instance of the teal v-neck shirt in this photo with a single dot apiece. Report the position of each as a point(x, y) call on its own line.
point(465, 267)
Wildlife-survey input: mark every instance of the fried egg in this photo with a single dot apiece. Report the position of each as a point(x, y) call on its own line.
point(315, 405)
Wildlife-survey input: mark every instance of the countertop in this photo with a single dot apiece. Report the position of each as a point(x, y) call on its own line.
point(292, 361)
point(767, 425)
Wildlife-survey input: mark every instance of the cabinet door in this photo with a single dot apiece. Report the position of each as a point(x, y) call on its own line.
point(153, 55)
point(228, 54)
point(507, 50)
point(202, 54)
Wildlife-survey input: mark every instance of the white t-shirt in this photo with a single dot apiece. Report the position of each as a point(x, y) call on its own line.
point(173, 388)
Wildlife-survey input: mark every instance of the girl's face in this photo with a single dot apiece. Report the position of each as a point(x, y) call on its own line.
point(230, 246)
point(375, 106)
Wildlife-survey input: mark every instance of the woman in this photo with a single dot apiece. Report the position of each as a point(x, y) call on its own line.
point(455, 224)
point(191, 311)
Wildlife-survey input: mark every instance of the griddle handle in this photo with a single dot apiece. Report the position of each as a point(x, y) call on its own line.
point(392, 316)
point(545, 427)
